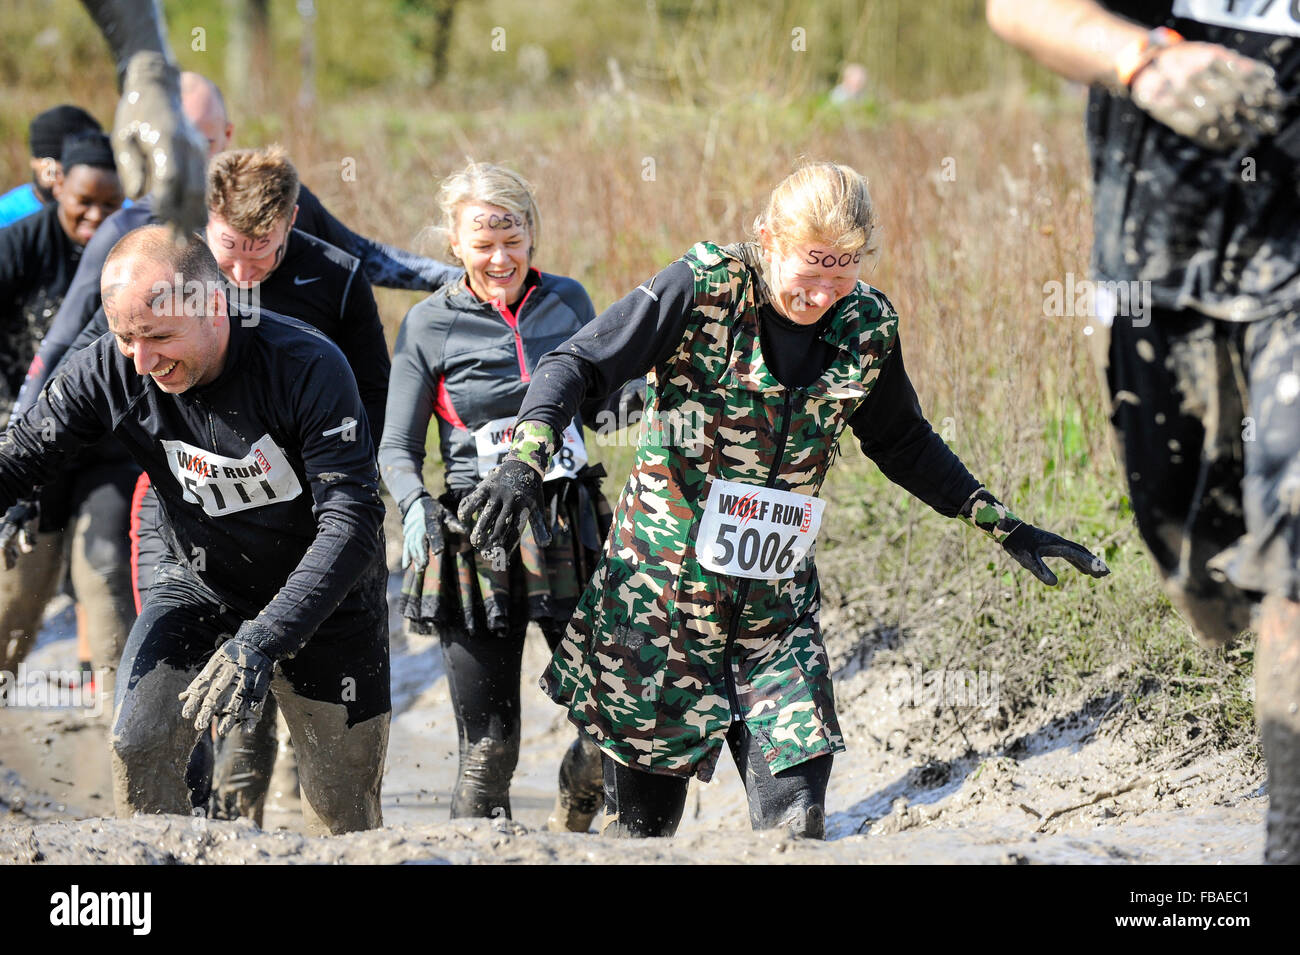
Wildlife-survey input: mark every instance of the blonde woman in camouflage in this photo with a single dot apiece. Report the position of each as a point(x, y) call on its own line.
point(700, 625)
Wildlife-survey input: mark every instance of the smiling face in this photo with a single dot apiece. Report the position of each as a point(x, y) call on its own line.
point(87, 195)
point(247, 261)
point(155, 324)
point(495, 247)
point(809, 278)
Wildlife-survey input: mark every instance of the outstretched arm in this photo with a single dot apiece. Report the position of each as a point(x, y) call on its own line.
point(632, 336)
point(383, 265)
point(897, 437)
point(1203, 91)
point(156, 149)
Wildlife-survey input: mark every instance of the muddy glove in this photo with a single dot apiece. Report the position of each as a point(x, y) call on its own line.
point(422, 530)
point(1205, 92)
point(156, 148)
point(233, 686)
point(507, 498)
point(1028, 544)
point(16, 531)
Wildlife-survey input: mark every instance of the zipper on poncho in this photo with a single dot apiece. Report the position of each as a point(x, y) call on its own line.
point(742, 592)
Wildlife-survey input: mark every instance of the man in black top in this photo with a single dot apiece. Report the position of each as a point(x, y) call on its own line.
point(1194, 129)
point(257, 441)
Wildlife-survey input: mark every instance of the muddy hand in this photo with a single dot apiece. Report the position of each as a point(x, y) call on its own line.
point(1029, 545)
point(232, 687)
point(504, 501)
point(156, 148)
point(15, 535)
point(1210, 94)
point(424, 530)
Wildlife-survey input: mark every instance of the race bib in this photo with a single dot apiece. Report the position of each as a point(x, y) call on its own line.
point(1259, 16)
point(493, 441)
point(756, 532)
point(222, 485)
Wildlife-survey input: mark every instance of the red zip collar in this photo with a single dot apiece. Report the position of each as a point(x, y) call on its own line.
point(512, 319)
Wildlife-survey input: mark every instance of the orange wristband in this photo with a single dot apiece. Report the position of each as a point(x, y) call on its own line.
point(1142, 51)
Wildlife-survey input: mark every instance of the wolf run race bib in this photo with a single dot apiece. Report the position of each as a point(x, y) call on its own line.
point(1259, 16)
point(224, 485)
point(493, 441)
point(756, 532)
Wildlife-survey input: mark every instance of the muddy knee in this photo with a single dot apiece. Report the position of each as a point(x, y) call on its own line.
point(150, 754)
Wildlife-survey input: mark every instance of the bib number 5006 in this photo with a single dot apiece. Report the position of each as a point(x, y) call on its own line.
point(772, 552)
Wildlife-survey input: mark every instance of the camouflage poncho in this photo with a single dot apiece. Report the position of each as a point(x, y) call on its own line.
point(661, 652)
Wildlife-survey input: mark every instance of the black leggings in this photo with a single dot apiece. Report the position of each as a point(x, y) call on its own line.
point(483, 677)
point(640, 804)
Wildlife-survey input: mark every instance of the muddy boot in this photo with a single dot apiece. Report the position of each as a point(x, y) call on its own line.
point(244, 762)
point(483, 787)
point(805, 822)
point(582, 788)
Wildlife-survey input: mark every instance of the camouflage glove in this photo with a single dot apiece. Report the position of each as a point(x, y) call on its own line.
point(422, 530)
point(233, 686)
point(16, 531)
point(506, 499)
point(1209, 94)
point(156, 148)
point(1027, 544)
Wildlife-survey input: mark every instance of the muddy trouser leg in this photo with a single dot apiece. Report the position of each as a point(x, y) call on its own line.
point(101, 559)
point(1178, 414)
point(483, 677)
point(1269, 560)
point(1277, 707)
point(243, 763)
point(793, 799)
point(641, 805)
point(171, 640)
point(581, 787)
point(147, 550)
point(24, 592)
point(334, 695)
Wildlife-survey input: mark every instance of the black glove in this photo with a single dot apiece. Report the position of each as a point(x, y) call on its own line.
point(232, 687)
point(1029, 545)
point(509, 496)
point(15, 534)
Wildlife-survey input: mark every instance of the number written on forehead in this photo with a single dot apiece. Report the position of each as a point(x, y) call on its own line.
point(498, 220)
point(830, 260)
point(243, 243)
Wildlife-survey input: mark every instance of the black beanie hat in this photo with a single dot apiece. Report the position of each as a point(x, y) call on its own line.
point(88, 149)
point(49, 129)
